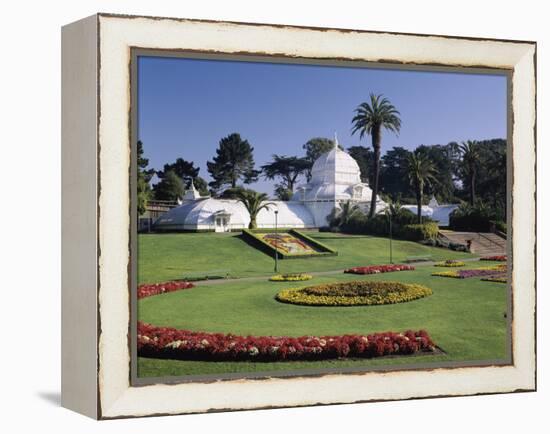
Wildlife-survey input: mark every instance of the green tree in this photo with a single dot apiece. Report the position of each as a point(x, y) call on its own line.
point(254, 202)
point(314, 148)
point(394, 179)
point(186, 170)
point(286, 168)
point(170, 187)
point(283, 193)
point(201, 185)
point(491, 175)
point(370, 118)
point(340, 217)
point(444, 159)
point(469, 152)
point(144, 192)
point(364, 157)
point(233, 161)
point(421, 172)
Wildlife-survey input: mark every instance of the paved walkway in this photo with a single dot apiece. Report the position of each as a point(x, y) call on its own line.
point(313, 273)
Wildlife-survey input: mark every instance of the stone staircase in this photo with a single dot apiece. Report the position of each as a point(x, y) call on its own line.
point(483, 243)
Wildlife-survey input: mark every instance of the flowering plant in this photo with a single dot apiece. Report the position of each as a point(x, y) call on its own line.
point(149, 289)
point(498, 279)
point(450, 263)
point(474, 272)
point(354, 293)
point(501, 258)
point(375, 269)
point(290, 277)
point(166, 342)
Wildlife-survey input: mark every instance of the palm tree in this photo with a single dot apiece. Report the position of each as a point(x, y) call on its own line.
point(252, 200)
point(421, 172)
point(369, 119)
point(341, 217)
point(469, 151)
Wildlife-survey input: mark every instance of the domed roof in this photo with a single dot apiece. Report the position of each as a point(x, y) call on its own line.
point(336, 167)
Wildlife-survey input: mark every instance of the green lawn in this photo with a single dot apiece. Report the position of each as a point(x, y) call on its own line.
point(465, 317)
point(171, 256)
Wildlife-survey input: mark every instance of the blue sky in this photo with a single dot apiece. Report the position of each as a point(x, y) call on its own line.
point(185, 106)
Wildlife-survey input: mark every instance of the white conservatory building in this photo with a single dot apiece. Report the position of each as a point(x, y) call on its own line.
point(335, 179)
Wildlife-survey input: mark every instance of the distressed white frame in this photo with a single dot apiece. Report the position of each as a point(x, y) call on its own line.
point(113, 395)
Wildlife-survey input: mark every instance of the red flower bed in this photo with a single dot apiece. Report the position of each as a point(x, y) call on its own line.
point(374, 269)
point(147, 290)
point(170, 343)
point(501, 258)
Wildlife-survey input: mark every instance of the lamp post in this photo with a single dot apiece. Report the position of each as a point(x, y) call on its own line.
point(391, 249)
point(276, 244)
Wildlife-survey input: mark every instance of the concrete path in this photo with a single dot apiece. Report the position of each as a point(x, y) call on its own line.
point(313, 273)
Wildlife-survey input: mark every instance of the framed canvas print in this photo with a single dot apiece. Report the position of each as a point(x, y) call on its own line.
point(262, 216)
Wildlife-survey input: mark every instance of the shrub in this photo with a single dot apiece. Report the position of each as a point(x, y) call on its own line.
point(354, 293)
point(374, 269)
point(149, 289)
point(419, 232)
point(166, 342)
point(290, 277)
point(500, 226)
point(402, 227)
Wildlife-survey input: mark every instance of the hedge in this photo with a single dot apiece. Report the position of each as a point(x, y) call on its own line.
point(379, 225)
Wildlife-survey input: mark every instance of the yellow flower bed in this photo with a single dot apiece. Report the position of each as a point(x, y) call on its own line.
point(472, 272)
point(450, 263)
point(500, 279)
point(357, 293)
point(290, 277)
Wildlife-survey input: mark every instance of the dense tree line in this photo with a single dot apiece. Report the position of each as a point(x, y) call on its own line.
point(473, 171)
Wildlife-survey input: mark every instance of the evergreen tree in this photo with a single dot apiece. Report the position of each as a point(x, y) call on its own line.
point(169, 188)
point(144, 193)
point(286, 168)
point(186, 170)
point(233, 161)
point(364, 157)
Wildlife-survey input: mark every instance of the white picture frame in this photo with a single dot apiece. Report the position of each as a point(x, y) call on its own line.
point(96, 246)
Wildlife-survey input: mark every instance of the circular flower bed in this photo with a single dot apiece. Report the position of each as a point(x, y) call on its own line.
point(354, 294)
point(450, 263)
point(290, 277)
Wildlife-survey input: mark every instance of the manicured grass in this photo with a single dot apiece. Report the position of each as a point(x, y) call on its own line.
point(465, 317)
point(164, 257)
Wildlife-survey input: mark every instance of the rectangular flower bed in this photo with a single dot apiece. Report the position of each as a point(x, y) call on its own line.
point(375, 269)
point(288, 244)
point(170, 343)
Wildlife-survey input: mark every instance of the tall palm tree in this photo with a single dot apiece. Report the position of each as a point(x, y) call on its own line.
point(254, 202)
point(421, 172)
point(469, 152)
point(370, 119)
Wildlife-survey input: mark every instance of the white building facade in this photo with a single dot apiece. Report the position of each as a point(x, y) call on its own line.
point(336, 178)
